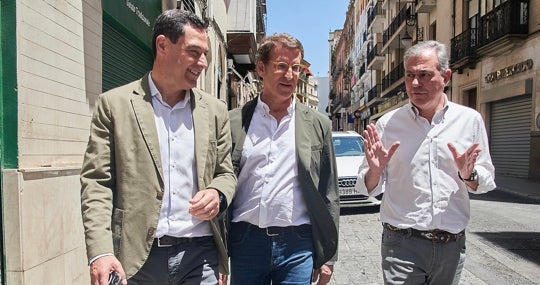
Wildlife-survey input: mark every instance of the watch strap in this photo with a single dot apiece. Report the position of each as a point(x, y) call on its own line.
point(471, 178)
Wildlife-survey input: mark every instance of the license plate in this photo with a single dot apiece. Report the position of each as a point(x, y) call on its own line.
point(348, 191)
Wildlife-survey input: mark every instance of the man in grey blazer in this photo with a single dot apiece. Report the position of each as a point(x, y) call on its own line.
point(157, 170)
point(284, 218)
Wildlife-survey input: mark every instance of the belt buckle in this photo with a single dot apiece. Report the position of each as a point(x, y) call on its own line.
point(270, 234)
point(438, 237)
point(162, 245)
point(429, 235)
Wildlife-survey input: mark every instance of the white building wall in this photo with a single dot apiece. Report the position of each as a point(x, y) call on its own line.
point(58, 79)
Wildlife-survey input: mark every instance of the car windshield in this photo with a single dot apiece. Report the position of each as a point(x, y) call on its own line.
point(348, 146)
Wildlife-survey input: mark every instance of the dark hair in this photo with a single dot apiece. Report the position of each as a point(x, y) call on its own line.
point(440, 51)
point(269, 42)
point(171, 24)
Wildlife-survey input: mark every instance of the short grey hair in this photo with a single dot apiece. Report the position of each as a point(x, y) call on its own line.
point(441, 51)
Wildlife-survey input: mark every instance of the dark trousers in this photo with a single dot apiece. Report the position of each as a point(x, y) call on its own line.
point(190, 263)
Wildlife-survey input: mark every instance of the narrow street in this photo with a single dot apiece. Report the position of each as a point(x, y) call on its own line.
point(503, 243)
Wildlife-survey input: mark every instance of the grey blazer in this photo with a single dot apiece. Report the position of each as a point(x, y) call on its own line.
point(122, 179)
point(316, 170)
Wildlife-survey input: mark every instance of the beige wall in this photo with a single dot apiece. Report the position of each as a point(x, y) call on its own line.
point(59, 77)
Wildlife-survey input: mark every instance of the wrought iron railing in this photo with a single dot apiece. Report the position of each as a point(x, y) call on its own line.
point(377, 10)
point(373, 52)
point(464, 45)
point(396, 23)
point(511, 17)
point(374, 92)
point(394, 75)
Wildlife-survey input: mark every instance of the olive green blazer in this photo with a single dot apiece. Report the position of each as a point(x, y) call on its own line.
point(317, 172)
point(122, 178)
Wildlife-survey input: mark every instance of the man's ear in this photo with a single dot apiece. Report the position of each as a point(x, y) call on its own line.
point(161, 44)
point(447, 75)
point(261, 68)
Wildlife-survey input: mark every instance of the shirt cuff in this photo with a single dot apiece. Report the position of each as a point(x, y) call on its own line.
point(98, 256)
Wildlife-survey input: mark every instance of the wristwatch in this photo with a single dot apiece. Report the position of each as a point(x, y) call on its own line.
point(473, 177)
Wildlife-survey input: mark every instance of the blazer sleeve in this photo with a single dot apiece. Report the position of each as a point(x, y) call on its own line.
point(97, 182)
point(224, 179)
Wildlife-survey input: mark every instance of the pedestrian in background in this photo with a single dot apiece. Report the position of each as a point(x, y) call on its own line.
point(157, 170)
point(427, 155)
point(285, 213)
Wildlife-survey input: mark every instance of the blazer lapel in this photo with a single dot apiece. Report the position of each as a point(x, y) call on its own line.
point(144, 113)
point(303, 145)
point(200, 125)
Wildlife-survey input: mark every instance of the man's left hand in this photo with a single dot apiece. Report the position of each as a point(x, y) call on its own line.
point(465, 161)
point(205, 204)
point(322, 275)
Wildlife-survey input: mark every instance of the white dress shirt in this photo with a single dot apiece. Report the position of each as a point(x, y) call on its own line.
point(177, 147)
point(268, 192)
point(421, 186)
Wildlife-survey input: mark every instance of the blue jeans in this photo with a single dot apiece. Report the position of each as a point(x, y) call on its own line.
point(258, 257)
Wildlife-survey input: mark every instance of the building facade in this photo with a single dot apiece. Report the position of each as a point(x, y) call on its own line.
point(494, 64)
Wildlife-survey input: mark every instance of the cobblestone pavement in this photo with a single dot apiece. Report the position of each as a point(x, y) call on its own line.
point(503, 244)
point(359, 250)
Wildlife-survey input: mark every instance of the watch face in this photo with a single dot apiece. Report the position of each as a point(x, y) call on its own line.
point(473, 176)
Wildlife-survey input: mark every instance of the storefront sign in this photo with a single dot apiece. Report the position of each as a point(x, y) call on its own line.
point(138, 12)
point(509, 71)
point(135, 17)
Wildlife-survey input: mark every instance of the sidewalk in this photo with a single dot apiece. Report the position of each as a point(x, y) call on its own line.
point(519, 186)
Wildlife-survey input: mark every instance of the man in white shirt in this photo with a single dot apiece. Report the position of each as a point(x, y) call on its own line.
point(286, 209)
point(427, 155)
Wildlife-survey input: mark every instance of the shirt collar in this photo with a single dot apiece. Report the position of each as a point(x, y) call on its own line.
point(440, 113)
point(264, 109)
point(157, 95)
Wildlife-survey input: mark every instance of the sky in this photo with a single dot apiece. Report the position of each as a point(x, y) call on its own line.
point(310, 21)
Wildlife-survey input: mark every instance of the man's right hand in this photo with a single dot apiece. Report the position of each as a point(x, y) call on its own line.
point(376, 155)
point(102, 267)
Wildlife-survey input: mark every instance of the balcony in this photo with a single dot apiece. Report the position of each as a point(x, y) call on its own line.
point(242, 31)
point(463, 49)
point(503, 28)
point(425, 6)
point(393, 77)
point(376, 16)
point(374, 95)
point(391, 36)
point(375, 58)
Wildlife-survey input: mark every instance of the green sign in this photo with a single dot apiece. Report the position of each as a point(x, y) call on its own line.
point(135, 16)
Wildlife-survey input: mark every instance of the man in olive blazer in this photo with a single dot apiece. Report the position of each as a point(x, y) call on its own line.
point(316, 172)
point(122, 179)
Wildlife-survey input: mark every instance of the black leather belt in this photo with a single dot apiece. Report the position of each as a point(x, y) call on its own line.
point(166, 241)
point(435, 236)
point(271, 231)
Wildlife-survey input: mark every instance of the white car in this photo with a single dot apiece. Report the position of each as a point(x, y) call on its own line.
point(349, 149)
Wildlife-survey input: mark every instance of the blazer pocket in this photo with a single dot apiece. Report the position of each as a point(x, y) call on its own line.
point(117, 227)
point(316, 152)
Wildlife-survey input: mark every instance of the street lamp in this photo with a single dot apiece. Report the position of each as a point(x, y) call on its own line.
point(406, 40)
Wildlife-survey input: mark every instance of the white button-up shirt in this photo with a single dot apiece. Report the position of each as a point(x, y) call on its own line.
point(177, 147)
point(421, 186)
point(268, 192)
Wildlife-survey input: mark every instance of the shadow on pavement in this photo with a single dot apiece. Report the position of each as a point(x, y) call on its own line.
point(524, 244)
point(503, 196)
point(359, 210)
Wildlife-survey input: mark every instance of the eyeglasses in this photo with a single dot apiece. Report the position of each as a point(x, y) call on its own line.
point(283, 67)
